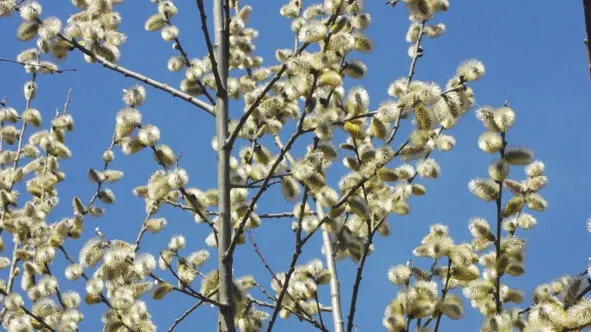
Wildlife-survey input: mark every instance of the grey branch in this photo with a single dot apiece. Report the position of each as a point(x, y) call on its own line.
point(140, 77)
point(51, 70)
point(210, 51)
point(184, 315)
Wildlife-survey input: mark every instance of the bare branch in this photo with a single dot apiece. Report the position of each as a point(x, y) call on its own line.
point(260, 192)
point(140, 77)
point(294, 258)
point(184, 315)
point(189, 198)
point(255, 104)
point(67, 103)
point(269, 269)
point(209, 44)
point(444, 293)
point(319, 311)
point(191, 291)
point(50, 69)
point(364, 254)
point(499, 203)
point(102, 297)
point(143, 230)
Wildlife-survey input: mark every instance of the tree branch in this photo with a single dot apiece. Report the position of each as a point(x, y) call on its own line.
point(260, 192)
point(260, 98)
point(365, 252)
point(140, 77)
point(51, 70)
point(294, 258)
point(499, 204)
point(184, 315)
point(444, 293)
point(209, 44)
point(178, 46)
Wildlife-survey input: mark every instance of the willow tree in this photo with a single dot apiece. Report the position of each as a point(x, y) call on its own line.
point(299, 98)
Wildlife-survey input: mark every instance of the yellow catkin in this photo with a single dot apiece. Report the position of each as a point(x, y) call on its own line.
point(386, 174)
point(513, 206)
point(378, 129)
point(355, 129)
point(330, 79)
point(422, 116)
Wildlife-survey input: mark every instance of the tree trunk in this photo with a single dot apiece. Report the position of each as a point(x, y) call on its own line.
point(223, 225)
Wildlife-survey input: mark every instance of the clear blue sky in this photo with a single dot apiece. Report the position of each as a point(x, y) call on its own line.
point(535, 57)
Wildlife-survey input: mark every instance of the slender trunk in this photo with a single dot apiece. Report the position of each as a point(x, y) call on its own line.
point(335, 292)
point(226, 316)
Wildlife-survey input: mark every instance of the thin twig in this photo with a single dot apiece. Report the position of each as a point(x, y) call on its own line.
point(208, 42)
point(67, 103)
point(58, 293)
point(37, 318)
point(184, 315)
point(319, 311)
point(178, 46)
point(102, 297)
point(293, 312)
point(444, 293)
point(191, 292)
point(411, 72)
point(343, 200)
point(254, 105)
point(264, 260)
point(260, 192)
point(140, 77)
point(189, 198)
point(417, 54)
point(364, 254)
point(294, 258)
point(276, 215)
point(143, 230)
point(577, 328)
point(252, 186)
point(259, 99)
point(50, 69)
point(12, 272)
point(499, 204)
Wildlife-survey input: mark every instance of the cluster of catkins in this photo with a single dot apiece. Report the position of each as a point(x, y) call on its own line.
point(558, 306)
point(318, 78)
point(167, 186)
point(95, 27)
point(32, 161)
point(488, 294)
point(306, 86)
point(199, 73)
point(302, 290)
point(419, 296)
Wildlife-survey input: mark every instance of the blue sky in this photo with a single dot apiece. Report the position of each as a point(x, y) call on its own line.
point(535, 58)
